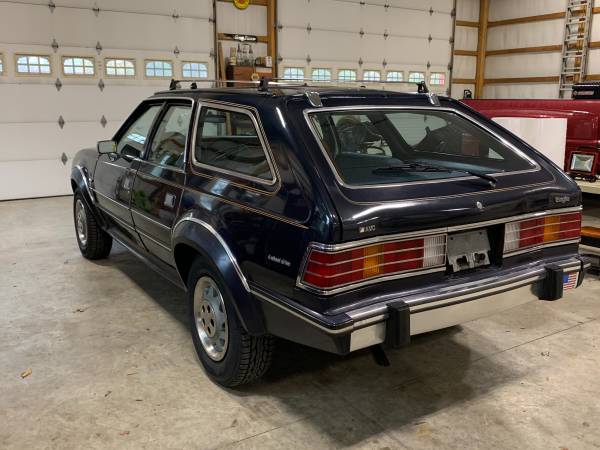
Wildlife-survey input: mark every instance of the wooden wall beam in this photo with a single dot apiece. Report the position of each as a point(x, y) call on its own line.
point(527, 19)
point(465, 52)
point(467, 23)
point(272, 33)
point(513, 51)
point(519, 80)
point(484, 8)
point(253, 2)
point(463, 81)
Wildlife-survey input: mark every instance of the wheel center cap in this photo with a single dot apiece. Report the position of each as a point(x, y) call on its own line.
point(207, 318)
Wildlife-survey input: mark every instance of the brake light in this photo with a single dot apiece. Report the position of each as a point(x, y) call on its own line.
point(327, 270)
point(541, 231)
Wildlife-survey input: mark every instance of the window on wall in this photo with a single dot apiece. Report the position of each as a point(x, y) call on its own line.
point(120, 68)
point(159, 69)
point(372, 75)
point(1, 64)
point(78, 66)
point(395, 76)
point(194, 70)
point(437, 79)
point(347, 75)
point(293, 73)
point(33, 65)
point(321, 74)
point(416, 77)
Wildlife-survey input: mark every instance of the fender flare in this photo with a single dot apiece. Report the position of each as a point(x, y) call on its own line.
point(81, 178)
point(204, 239)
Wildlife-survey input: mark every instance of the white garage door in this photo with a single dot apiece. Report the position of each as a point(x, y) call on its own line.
point(371, 39)
point(72, 71)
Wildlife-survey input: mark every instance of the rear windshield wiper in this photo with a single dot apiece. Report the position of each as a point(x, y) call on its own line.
point(418, 167)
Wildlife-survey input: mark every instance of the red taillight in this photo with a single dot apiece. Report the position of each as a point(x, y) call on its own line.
point(328, 270)
point(544, 230)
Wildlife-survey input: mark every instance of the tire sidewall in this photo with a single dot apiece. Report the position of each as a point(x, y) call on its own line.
point(225, 370)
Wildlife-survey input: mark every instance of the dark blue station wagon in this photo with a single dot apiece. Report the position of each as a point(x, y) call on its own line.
point(336, 218)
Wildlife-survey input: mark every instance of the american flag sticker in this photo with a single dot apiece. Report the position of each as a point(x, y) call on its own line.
point(570, 280)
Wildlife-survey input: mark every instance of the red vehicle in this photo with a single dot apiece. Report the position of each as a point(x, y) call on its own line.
point(582, 155)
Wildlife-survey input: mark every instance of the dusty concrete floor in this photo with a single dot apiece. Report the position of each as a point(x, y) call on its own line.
point(113, 367)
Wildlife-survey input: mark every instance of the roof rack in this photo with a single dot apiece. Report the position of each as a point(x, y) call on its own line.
point(264, 83)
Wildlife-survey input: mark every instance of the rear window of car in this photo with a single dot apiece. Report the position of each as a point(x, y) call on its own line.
point(370, 147)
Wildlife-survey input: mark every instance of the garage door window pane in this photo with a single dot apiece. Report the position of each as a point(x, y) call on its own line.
point(229, 141)
point(195, 70)
point(133, 140)
point(321, 75)
point(168, 145)
point(371, 75)
point(78, 66)
point(416, 77)
point(293, 73)
point(437, 79)
point(395, 76)
point(347, 75)
point(33, 64)
point(159, 69)
point(120, 68)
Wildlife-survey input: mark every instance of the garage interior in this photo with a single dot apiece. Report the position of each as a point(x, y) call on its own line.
point(98, 354)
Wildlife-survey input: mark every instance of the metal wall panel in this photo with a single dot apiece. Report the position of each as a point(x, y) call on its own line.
point(534, 34)
point(511, 9)
point(406, 35)
point(549, 32)
point(465, 39)
point(33, 143)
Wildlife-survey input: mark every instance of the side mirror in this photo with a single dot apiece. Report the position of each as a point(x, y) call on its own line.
point(106, 147)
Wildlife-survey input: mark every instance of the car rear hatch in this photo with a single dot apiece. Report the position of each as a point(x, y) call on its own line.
point(423, 216)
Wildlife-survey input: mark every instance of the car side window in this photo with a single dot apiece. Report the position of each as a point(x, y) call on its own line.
point(168, 145)
point(229, 140)
point(133, 140)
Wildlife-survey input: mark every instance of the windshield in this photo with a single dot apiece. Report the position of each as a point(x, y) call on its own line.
point(398, 146)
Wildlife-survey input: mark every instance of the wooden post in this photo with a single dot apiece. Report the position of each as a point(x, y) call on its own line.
point(481, 47)
point(272, 33)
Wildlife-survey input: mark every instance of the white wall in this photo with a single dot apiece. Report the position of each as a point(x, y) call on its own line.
point(335, 41)
point(31, 141)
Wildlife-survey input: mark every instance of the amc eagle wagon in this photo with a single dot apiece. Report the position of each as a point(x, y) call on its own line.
point(340, 219)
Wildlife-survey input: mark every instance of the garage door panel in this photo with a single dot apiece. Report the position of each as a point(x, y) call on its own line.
point(39, 103)
point(47, 141)
point(27, 179)
point(32, 140)
point(81, 28)
point(408, 24)
point(200, 8)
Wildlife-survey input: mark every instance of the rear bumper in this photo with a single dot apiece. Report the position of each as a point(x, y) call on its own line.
point(399, 317)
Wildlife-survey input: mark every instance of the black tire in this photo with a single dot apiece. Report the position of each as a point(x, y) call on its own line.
point(246, 358)
point(97, 243)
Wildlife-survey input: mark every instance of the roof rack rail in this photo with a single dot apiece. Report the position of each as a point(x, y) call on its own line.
point(264, 83)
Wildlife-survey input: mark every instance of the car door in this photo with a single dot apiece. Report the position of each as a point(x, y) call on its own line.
point(115, 172)
point(160, 179)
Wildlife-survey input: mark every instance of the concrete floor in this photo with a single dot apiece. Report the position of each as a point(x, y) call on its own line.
point(113, 366)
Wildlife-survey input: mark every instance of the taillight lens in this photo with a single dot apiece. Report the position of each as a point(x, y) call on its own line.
point(328, 270)
point(544, 230)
